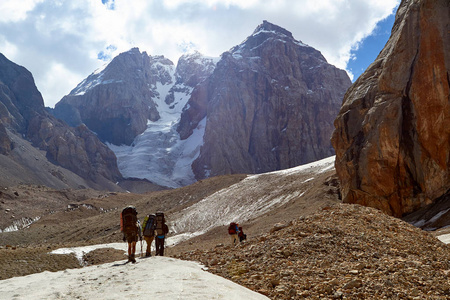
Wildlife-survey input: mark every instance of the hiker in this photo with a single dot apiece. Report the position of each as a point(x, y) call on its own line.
point(148, 231)
point(161, 230)
point(131, 231)
point(242, 235)
point(233, 231)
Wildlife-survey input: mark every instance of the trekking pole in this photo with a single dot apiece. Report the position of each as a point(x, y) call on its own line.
point(141, 247)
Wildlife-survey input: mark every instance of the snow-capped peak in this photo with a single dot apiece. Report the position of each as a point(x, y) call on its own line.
point(269, 27)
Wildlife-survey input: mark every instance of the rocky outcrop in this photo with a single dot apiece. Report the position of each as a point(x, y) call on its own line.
point(392, 136)
point(76, 149)
point(342, 252)
point(116, 102)
point(22, 113)
point(269, 105)
point(19, 97)
point(191, 70)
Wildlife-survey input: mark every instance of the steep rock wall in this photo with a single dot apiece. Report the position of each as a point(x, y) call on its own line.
point(392, 135)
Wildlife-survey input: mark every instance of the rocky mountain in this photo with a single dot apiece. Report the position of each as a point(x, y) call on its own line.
point(269, 105)
point(71, 157)
point(115, 102)
point(133, 104)
point(392, 136)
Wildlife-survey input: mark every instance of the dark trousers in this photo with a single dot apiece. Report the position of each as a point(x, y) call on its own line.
point(159, 243)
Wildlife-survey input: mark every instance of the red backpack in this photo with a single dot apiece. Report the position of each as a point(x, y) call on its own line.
point(232, 229)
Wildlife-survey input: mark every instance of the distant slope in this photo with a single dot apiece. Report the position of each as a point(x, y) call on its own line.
point(258, 201)
point(250, 198)
point(36, 148)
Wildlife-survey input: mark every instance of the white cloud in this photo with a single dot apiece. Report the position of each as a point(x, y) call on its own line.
point(15, 11)
point(59, 40)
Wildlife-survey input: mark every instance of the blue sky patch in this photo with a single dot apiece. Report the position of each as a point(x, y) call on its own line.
point(107, 54)
point(109, 4)
point(370, 47)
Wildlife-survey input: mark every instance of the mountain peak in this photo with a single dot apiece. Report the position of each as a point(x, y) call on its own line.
point(267, 26)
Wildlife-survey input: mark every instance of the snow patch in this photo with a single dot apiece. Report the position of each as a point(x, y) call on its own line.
point(445, 238)
point(20, 224)
point(158, 154)
point(153, 277)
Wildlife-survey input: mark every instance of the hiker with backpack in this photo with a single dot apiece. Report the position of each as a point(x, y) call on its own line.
point(161, 230)
point(131, 230)
point(233, 231)
point(242, 236)
point(148, 231)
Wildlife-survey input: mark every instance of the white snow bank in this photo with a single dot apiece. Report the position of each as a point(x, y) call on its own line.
point(150, 278)
point(318, 167)
point(82, 250)
point(445, 238)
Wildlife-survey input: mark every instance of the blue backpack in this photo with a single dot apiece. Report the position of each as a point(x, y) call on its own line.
point(149, 225)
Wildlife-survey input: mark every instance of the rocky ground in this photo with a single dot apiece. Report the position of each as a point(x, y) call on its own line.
point(321, 249)
point(341, 252)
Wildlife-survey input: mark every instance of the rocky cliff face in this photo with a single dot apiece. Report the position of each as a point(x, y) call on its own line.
point(22, 113)
point(190, 71)
point(269, 105)
point(392, 136)
point(135, 103)
point(116, 102)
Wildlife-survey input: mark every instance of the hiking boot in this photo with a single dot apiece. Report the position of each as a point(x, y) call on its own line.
point(148, 254)
point(132, 259)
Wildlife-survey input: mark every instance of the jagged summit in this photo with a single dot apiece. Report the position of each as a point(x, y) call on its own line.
point(126, 68)
point(267, 26)
point(269, 33)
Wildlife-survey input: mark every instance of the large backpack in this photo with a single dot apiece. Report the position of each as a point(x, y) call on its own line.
point(160, 221)
point(232, 228)
point(149, 225)
point(128, 220)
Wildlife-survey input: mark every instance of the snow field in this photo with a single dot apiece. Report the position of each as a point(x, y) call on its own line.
point(154, 277)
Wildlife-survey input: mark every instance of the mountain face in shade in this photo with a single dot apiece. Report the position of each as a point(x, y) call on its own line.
point(269, 105)
point(392, 136)
point(22, 115)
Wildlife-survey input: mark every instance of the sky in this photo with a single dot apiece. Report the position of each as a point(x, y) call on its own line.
point(61, 41)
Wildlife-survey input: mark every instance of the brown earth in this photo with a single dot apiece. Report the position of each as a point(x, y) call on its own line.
point(326, 250)
point(341, 252)
point(95, 220)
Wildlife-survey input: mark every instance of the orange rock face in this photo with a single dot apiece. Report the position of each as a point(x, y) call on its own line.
point(392, 136)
